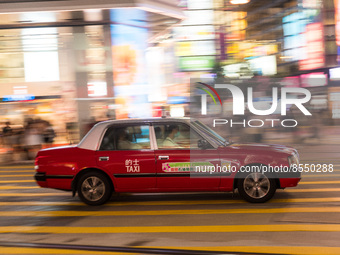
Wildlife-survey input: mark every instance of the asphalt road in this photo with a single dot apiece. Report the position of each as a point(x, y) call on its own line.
point(301, 220)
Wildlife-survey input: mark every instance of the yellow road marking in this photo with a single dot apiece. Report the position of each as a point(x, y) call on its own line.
point(297, 250)
point(302, 182)
point(320, 175)
point(174, 229)
point(18, 187)
point(23, 250)
point(306, 200)
point(183, 202)
point(17, 167)
point(167, 212)
point(320, 182)
point(67, 193)
point(17, 171)
point(16, 175)
point(17, 181)
point(312, 190)
point(42, 203)
point(32, 194)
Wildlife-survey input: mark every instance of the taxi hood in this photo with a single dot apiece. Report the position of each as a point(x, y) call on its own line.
point(254, 147)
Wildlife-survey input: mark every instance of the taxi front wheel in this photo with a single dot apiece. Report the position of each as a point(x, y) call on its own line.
point(94, 188)
point(256, 187)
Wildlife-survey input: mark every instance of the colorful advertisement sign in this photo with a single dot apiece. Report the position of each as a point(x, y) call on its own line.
point(294, 26)
point(334, 74)
point(199, 17)
point(196, 63)
point(236, 25)
point(264, 65)
point(291, 82)
point(129, 43)
point(195, 48)
point(337, 21)
point(315, 53)
point(313, 79)
point(195, 33)
point(96, 89)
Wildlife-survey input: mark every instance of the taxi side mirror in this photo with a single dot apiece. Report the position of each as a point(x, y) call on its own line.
point(202, 144)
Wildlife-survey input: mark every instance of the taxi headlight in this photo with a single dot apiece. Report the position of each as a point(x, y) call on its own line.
point(293, 159)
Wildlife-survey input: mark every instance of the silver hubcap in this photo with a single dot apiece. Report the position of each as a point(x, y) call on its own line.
point(256, 185)
point(93, 188)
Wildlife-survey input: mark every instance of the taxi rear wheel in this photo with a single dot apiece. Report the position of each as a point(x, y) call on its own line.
point(256, 187)
point(94, 188)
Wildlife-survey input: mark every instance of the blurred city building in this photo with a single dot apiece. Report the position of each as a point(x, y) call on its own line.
point(296, 41)
point(82, 62)
point(79, 62)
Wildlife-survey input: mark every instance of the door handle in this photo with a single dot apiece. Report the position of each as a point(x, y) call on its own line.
point(104, 158)
point(163, 157)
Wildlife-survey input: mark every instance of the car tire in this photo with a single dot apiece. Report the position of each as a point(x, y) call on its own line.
point(94, 188)
point(256, 187)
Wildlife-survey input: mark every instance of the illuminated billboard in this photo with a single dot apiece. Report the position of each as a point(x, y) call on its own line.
point(195, 33)
point(41, 60)
point(196, 63)
point(129, 43)
point(337, 21)
point(313, 79)
point(315, 53)
point(294, 26)
point(195, 48)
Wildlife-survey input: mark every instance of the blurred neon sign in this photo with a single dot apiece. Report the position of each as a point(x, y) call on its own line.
point(313, 79)
point(314, 47)
point(11, 98)
point(239, 1)
point(337, 21)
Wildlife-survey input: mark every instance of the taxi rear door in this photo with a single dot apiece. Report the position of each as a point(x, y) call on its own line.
point(126, 154)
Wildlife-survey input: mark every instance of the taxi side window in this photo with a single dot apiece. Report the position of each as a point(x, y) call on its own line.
point(176, 136)
point(134, 137)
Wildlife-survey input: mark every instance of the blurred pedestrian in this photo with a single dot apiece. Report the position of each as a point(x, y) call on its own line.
point(48, 133)
point(32, 139)
point(7, 134)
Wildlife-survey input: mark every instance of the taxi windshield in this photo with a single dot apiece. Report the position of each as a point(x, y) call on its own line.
point(211, 133)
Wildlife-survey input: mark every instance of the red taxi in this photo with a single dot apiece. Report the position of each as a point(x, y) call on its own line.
point(164, 155)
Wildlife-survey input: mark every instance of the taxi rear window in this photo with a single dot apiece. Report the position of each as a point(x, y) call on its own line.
point(132, 137)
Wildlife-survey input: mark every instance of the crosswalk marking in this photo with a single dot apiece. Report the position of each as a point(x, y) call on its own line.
point(173, 229)
point(18, 187)
point(17, 181)
point(11, 187)
point(33, 194)
point(17, 171)
point(298, 250)
point(16, 175)
point(312, 190)
point(184, 202)
point(335, 209)
point(296, 190)
point(320, 175)
point(22, 250)
point(319, 182)
point(18, 167)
